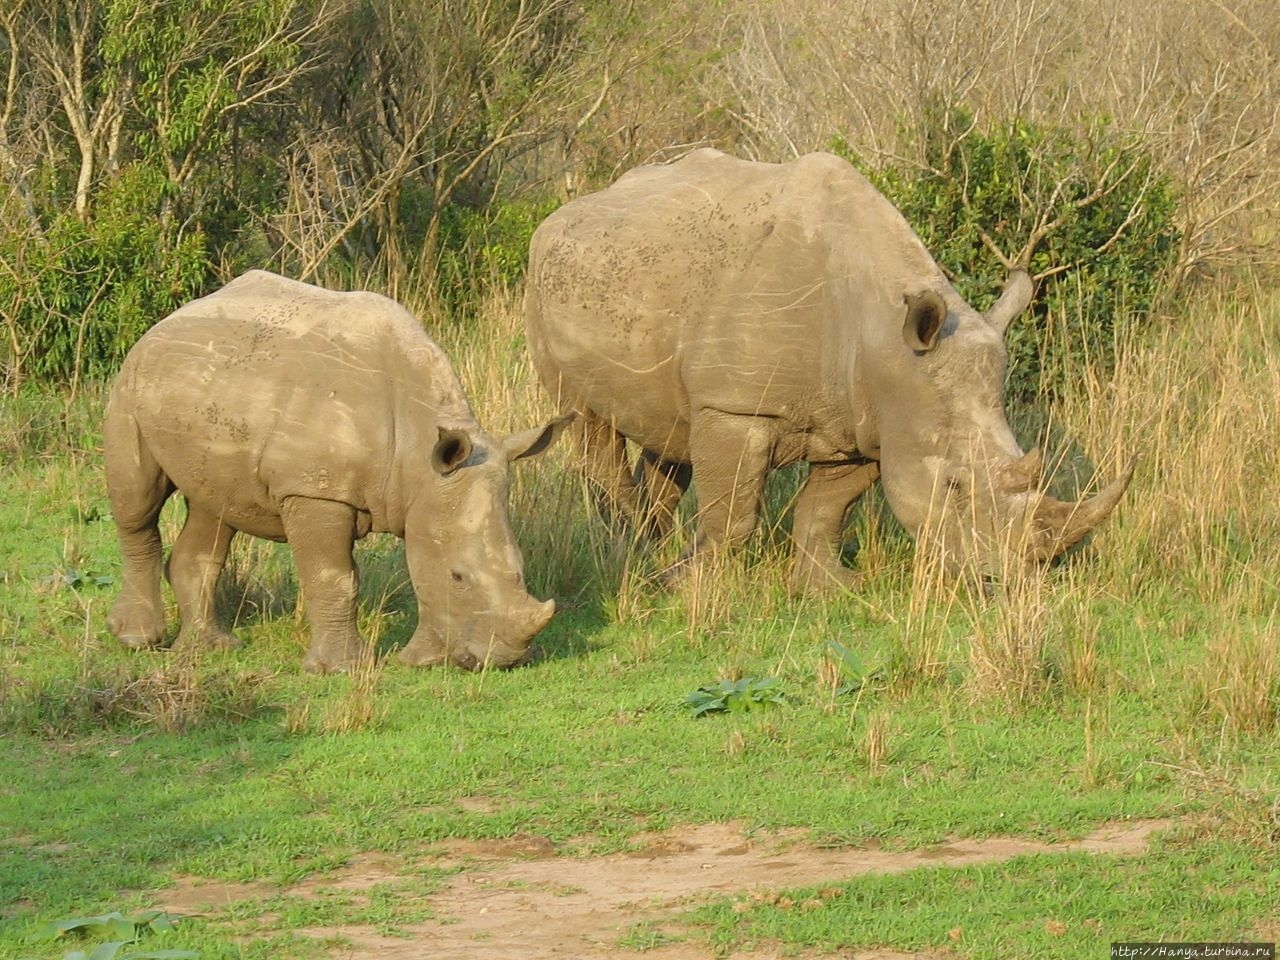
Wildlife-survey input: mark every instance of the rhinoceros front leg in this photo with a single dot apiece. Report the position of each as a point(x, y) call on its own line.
point(196, 562)
point(321, 534)
point(821, 512)
point(731, 455)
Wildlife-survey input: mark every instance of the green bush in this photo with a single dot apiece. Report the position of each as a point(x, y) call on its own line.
point(76, 295)
point(483, 249)
point(1111, 254)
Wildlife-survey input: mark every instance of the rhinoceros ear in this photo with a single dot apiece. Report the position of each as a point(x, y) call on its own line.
point(926, 313)
point(451, 450)
point(530, 443)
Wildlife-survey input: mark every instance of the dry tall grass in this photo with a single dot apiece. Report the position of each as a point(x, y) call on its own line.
point(1195, 397)
point(1197, 400)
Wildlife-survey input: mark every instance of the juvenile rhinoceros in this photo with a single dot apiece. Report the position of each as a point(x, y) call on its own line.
point(294, 413)
point(730, 317)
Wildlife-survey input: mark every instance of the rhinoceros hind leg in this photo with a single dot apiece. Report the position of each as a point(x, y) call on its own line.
point(138, 489)
point(821, 512)
point(321, 534)
point(664, 483)
point(195, 563)
point(605, 465)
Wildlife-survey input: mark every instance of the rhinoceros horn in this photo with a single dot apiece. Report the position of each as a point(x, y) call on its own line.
point(1013, 299)
point(1023, 474)
point(1057, 525)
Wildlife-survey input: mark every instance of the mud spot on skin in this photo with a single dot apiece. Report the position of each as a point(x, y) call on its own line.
point(514, 899)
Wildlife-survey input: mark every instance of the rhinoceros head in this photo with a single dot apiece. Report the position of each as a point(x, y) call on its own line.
point(467, 570)
point(953, 473)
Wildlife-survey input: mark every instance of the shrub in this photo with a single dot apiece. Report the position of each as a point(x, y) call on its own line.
point(75, 295)
point(1114, 241)
point(482, 249)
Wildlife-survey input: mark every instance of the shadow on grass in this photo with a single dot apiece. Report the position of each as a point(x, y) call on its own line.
point(570, 634)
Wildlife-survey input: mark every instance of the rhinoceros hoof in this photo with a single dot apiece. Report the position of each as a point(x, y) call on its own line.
point(418, 655)
point(340, 656)
point(812, 580)
point(140, 640)
point(676, 574)
point(136, 625)
point(320, 664)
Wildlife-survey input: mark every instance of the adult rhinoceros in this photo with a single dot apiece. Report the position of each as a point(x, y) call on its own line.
point(294, 413)
point(732, 316)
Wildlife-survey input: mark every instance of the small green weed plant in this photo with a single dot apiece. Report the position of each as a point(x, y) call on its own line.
point(118, 934)
point(736, 696)
point(849, 672)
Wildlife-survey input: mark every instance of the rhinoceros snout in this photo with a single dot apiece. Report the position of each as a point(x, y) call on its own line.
point(512, 647)
point(542, 615)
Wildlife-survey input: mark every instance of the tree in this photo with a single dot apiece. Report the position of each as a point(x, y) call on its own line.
point(419, 107)
point(116, 127)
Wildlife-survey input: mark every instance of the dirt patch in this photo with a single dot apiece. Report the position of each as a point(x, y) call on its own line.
point(194, 897)
point(516, 900)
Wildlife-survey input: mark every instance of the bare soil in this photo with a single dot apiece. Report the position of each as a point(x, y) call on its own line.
point(518, 899)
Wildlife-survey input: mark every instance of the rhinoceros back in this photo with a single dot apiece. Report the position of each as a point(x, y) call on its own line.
point(711, 283)
point(270, 388)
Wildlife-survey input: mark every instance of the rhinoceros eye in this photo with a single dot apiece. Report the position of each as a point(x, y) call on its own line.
point(455, 576)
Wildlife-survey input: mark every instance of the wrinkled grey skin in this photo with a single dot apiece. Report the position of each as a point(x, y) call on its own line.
point(730, 317)
point(289, 412)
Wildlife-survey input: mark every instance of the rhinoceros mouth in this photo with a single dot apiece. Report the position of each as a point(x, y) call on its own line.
point(499, 643)
point(469, 661)
point(1015, 519)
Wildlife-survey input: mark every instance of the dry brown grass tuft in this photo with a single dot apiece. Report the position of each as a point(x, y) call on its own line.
point(1010, 639)
point(1238, 688)
point(358, 709)
point(178, 696)
point(927, 650)
point(877, 734)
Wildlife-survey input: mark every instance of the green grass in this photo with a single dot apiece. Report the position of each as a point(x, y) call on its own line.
point(1041, 906)
point(124, 771)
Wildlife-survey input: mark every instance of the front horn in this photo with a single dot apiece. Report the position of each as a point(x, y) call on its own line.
point(1058, 525)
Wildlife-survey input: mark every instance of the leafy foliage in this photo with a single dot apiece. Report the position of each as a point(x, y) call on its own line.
point(81, 293)
point(853, 672)
point(736, 696)
point(119, 933)
point(485, 248)
point(1104, 262)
